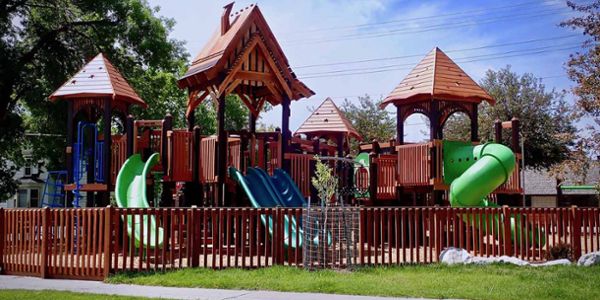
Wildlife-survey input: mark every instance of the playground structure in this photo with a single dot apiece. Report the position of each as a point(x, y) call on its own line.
point(250, 187)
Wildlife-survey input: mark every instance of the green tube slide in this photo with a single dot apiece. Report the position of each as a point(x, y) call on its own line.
point(473, 173)
point(130, 191)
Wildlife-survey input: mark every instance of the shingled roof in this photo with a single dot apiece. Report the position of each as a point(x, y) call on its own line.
point(98, 79)
point(437, 77)
point(243, 46)
point(327, 119)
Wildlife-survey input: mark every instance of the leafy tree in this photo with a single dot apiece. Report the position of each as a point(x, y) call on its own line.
point(371, 122)
point(236, 115)
point(584, 69)
point(546, 119)
point(44, 42)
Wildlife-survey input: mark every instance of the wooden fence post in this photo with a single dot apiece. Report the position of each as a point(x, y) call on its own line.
point(107, 239)
point(507, 231)
point(45, 237)
point(195, 220)
point(2, 237)
point(576, 231)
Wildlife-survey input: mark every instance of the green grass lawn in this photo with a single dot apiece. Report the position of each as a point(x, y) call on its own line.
point(431, 281)
point(44, 295)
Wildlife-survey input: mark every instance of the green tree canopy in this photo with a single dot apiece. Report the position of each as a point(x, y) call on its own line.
point(371, 122)
point(45, 42)
point(236, 115)
point(546, 119)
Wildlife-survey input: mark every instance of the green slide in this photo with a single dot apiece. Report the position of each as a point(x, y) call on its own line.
point(130, 192)
point(474, 172)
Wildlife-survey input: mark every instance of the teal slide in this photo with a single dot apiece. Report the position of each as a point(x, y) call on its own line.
point(474, 172)
point(130, 191)
point(261, 194)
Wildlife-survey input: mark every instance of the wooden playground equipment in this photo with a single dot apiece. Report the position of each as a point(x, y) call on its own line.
point(244, 58)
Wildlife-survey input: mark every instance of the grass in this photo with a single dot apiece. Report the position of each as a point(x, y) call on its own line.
point(430, 281)
point(47, 294)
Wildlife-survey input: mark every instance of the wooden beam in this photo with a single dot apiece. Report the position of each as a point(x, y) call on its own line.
point(255, 76)
point(222, 151)
point(241, 58)
point(276, 71)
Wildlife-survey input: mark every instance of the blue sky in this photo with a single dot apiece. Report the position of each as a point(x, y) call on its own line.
point(313, 32)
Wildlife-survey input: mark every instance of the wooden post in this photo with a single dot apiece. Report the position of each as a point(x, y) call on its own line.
point(498, 131)
point(2, 237)
point(45, 237)
point(107, 150)
point(506, 228)
point(252, 123)
point(69, 148)
point(434, 118)
point(108, 239)
point(312, 168)
point(373, 171)
point(515, 127)
point(221, 151)
point(196, 241)
point(340, 145)
point(474, 123)
point(196, 154)
point(285, 131)
point(576, 232)
point(399, 126)
point(167, 125)
point(129, 134)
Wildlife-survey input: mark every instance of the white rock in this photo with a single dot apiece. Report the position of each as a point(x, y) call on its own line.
point(556, 262)
point(453, 256)
point(589, 259)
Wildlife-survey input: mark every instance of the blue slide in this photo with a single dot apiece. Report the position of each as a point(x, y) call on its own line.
point(284, 186)
point(261, 195)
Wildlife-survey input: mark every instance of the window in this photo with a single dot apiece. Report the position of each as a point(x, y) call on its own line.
point(34, 198)
point(28, 171)
point(22, 198)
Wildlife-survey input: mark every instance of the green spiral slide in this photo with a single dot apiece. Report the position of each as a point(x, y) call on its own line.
point(130, 191)
point(474, 172)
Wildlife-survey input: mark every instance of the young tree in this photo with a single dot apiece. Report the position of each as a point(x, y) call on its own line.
point(546, 120)
point(44, 42)
point(371, 122)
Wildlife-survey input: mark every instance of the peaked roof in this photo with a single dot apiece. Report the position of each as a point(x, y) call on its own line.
point(213, 61)
point(328, 119)
point(437, 77)
point(98, 78)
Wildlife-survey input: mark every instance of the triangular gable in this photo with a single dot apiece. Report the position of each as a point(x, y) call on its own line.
point(98, 79)
point(327, 119)
point(227, 61)
point(437, 77)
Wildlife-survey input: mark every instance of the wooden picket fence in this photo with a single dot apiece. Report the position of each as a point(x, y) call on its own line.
point(92, 243)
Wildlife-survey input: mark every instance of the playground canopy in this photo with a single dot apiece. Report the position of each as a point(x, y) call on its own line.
point(242, 57)
point(98, 79)
point(437, 87)
point(437, 77)
point(327, 121)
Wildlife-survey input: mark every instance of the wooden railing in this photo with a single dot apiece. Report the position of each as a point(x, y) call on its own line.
point(92, 243)
point(207, 159)
point(414, 164)
point(387, 165)
point(180, 154)
point(300, 171)
point(118, 156)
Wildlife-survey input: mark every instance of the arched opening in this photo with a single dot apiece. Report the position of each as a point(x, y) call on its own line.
point(457, 127)
point(416, 128)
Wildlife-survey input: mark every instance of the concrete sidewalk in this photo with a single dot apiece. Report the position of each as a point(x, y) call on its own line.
point(95, 287)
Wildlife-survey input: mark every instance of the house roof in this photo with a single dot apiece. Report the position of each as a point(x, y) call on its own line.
point(98, 78)
point(231, 47)
point(437, 77)
point(540, 182)
point(327, 119)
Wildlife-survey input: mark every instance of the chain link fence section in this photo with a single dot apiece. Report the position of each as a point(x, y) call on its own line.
point(331, 237)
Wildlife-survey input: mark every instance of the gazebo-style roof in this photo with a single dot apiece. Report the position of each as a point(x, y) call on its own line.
point(328, 120)
point(242, 57)
point(437, 77)
point(98, 79)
